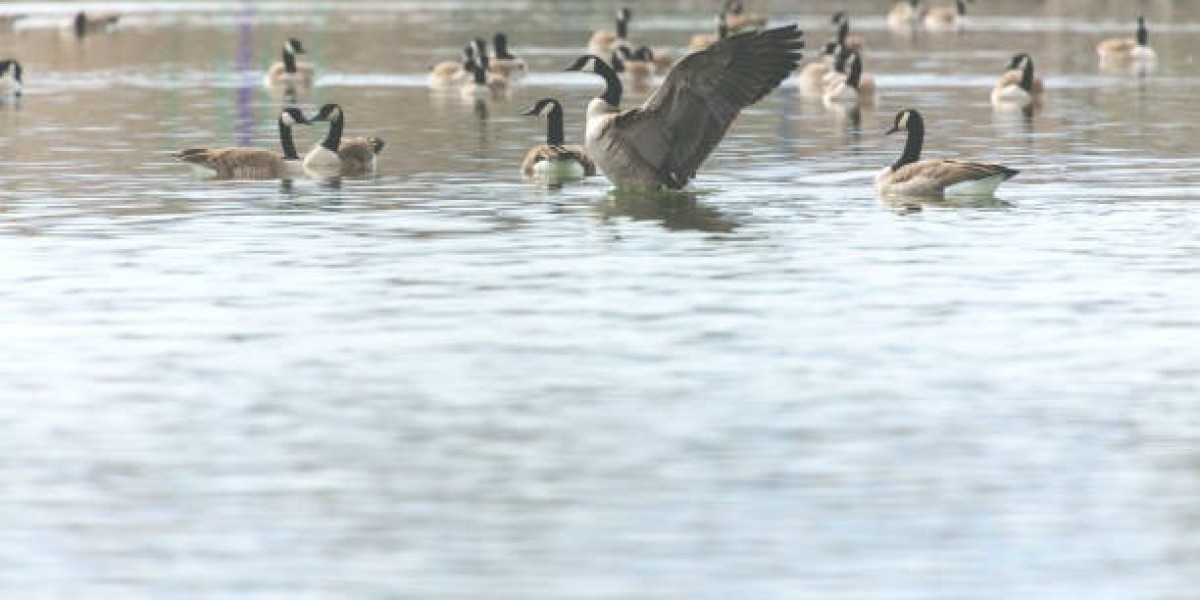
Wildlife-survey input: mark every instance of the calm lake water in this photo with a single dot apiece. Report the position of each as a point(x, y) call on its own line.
point(444, 382)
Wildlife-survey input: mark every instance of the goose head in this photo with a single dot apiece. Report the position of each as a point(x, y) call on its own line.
point(906, 120)
point(1143, 36)
point(544, 108)
point(624, 15)
point(590, 63)
point(500, 43)
point(839, 17)
point(293, 46)
point(910, 121)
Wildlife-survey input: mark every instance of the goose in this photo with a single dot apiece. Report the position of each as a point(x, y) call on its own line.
point(1128, 49)
point(911, 176)
point(10, 78)
point(335, 155)
point(604, 41)
point(1017, 86)
point(482, 84)
point(289, 71)
point(662, 143)
point(504, 62)
point(851, 86)
point(945, 18)
point(251, 163)
point(555, 160)
point(812, 76)
point(83, 23)
point(739, 20)
point(639, 64)
point(905, 14)
point(851, 42)
point(701, 41)
point(450, 72)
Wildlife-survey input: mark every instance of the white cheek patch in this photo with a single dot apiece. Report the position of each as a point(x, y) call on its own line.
point(547, 109)
point(590, 65)
point(903, 122)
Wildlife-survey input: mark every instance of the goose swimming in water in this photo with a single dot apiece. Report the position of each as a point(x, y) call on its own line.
point(946, 18)
point(1128, 49)
point(251, 163)
point(483, 84)
point(1018, 86)
point(604, 41)
point(504, 62)
point(448, 73)
point(289, 71)
point(848, 84)
point(911, 176)
point(11, 83)
point(555, 161)
point(661, 143)
point(335, 155)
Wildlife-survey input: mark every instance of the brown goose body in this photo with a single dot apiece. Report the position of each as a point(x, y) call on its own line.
point(555, 160)
point(251, 163)
point(911, 176)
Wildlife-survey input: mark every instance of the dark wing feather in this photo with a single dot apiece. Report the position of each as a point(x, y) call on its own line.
point(681, 123)
point(947, 172)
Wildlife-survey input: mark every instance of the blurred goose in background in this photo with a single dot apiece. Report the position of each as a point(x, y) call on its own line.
point(604, 41)
point(84, 23)
point(851, 86)
point(911, 176)
point(738, 20)
point(812, 75)
point(504, 62)
point(662, 143)
point(251, 163)
point(11, 83)
point(1128, 49)
point(482, 84)
point(450, 72)
point(905, 14)
point(702, 41)
point(946, 18)
point(354, 156)
point(289, 71)
point(555, 161)
point(638, 64)
point(851, 42)
point(1018, 86)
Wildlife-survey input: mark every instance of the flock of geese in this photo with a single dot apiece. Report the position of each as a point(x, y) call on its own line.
point(662, 143)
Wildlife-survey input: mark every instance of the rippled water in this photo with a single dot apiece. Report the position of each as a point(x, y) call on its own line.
point(443, 382)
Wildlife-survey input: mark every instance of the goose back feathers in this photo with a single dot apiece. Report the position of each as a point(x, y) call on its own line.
point(911, 176)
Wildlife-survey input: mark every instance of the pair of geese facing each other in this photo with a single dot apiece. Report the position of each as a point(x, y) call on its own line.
point(662, 143)
point(333, 156)
point(911, 13)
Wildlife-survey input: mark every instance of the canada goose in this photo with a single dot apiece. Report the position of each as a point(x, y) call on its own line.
point(83, 23)
point(555, 160)
point(812, 76)
point(450, 72)
point(335, 155)
point(1130, 49)
point(911, 176)
point(604, 41)
point(289, 71)
point(854, 87)
point(739, 20)
point(905, 14)
point(482, 83)
point(504, 62)
point(663, 142)
point(251, 163)
point(945, 18)
point(1016, 86)
point(10, 78)
point(702, 41)
point(851, 42)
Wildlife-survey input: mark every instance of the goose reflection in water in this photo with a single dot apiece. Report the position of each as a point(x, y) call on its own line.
point(911, 204)
point(676, 210)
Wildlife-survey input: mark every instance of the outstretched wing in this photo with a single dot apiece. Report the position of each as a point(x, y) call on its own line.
point(681, 123)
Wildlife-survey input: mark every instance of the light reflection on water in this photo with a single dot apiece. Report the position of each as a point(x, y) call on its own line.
point(443, 382)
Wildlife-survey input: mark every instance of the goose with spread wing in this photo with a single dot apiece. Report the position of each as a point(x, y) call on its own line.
point(661, 143)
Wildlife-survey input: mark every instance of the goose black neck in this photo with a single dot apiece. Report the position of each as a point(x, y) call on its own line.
point(554, 127)
point(612, 83)
point(501, 45)
point(1027, 75)
point(1143, 36)
point(285, 140)
point(843, 32)
point(855, 74)
point(961, 7)
point(80, 24)
point(289, 60)
point(334, 137)
point(622, 29)
point(479, 73)
point(912, 146)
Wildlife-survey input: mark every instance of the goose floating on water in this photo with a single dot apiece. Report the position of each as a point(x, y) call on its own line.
point(1018, 86)
point(911, 176)
point(946, 18)
point(555, 161)
point(504, 62)
point(661, 143)
point(251, 163)
point(336, 155)
point(11, 83)
point(1128, 49)
point(849, 84)
point(604, 41)
point(289, 71)
point(851, 42)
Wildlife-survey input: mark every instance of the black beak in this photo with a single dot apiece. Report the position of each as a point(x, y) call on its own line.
point(894, 129)
point(532, 110)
